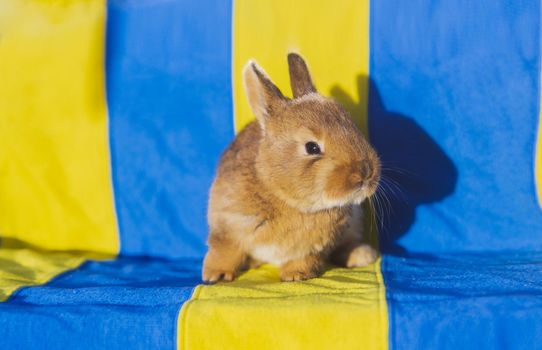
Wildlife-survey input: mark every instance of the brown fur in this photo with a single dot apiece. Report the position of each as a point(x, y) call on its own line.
point(273, 202)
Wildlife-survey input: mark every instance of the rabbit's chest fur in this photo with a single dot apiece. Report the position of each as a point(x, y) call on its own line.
point(291, 235)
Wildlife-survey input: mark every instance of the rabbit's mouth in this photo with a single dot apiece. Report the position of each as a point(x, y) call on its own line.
point(324, 202)
point(366, 190)
point(360, 196)
point(357, 196)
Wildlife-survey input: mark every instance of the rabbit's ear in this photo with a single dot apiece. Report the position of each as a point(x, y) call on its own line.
point(300, 78)
point(263, 96)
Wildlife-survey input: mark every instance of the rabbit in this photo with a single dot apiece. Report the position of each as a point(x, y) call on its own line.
point(288, 189)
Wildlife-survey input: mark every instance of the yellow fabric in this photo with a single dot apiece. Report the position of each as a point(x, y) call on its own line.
point(55, 182)
point(331, 35)
point(26, 267)
point(344, 309)
point(55, 187)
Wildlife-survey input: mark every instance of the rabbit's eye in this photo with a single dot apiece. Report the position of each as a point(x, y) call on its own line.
point(312, 148)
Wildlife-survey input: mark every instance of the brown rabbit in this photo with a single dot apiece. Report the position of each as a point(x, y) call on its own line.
point(288, 189)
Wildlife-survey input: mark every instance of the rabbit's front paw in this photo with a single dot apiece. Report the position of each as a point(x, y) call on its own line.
point(302, 269)
point(215, 275)
point(219, 266)
point(289, 276)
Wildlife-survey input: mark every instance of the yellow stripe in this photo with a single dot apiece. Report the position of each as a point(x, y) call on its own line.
point(345, 309)
point(55, 183)
point(331, 35)
point(54, 156)
point(25, 267)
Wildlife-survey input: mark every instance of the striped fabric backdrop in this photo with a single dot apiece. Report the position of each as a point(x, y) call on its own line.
point(113, 116)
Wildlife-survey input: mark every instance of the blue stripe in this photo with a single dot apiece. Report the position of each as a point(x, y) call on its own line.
point(453, 112)
point(170, 110)
point(124, 304)
point(454, 103)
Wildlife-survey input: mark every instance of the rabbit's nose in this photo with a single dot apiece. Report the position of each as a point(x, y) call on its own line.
point(366, 169)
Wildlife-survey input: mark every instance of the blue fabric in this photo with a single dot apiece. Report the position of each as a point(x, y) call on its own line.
point(453, 112)
point(454, 106)
point(128, 303)
point(170, 109)
point(465, 301)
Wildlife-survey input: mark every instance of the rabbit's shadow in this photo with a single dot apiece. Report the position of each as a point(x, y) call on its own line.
point(415, 170)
